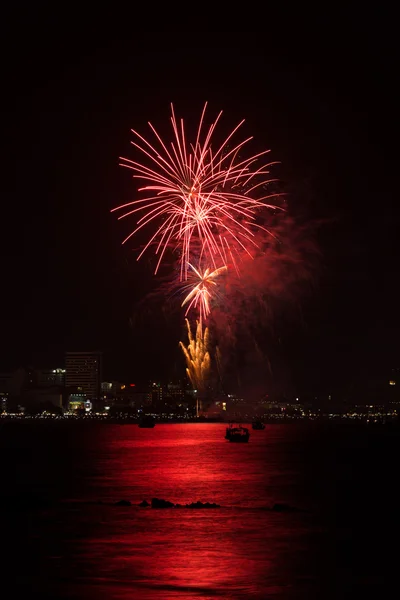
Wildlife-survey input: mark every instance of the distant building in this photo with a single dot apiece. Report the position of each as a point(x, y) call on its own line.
point(3, 401)
point(108, 388)
point(50, 377)
point(176, 392)
point(155, 395)
point(84, 371)
point(76, 398)
point(139, 400)
point(217, 408)
point(112, 389)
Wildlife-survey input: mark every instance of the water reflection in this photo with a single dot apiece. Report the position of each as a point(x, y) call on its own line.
point(236, 551)
point(60, 489)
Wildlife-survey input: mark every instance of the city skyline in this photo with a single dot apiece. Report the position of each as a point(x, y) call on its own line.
point(83, 378)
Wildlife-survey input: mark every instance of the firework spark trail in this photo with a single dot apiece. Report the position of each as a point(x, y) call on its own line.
point(199, 202)
point(200, 293)
point(197, 356)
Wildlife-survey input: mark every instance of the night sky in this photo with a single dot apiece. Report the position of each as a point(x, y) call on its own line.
point(325, 105)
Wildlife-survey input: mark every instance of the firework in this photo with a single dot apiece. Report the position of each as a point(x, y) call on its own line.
point(197, 357)
point(200, 201)
point(200, 293)
point(208, 204)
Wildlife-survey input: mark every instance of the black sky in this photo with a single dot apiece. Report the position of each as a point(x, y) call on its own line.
point(325, 104)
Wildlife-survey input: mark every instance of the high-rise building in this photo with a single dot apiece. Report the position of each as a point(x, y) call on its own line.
point(176, 392)
point(156, 395)
point(84, 371)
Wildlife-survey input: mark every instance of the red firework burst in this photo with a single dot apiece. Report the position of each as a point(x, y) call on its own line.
point(203, 202)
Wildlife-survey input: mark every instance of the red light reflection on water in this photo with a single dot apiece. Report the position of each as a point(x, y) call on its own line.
point(66, 538)
point(164, 553)
point(182, 463)
point(235, 551)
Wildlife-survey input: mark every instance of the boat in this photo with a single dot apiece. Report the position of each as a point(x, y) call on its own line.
point(257, 424)
point(147, 421)
point(237, 433)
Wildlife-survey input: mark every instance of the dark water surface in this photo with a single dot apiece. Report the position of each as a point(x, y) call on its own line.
point(63, 537)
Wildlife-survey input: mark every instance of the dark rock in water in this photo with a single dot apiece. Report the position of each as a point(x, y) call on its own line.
point(199, 504)
point(160, 503)
point(123, 503)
